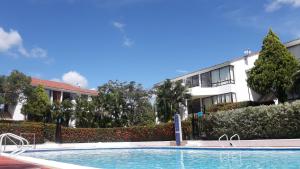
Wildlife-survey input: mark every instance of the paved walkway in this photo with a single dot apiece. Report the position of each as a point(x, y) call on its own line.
point(8, 163)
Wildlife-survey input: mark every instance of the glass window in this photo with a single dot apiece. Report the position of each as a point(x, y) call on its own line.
point(205, 79)
point(233, 97)
point(228, 98)
point(195, 80)
point(207, 102)
point(188, 82)
point(224, 75)
point(215, 77)
point(215, 99)
point(219, 99)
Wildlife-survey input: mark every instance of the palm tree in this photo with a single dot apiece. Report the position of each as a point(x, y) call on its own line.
point(169, 97)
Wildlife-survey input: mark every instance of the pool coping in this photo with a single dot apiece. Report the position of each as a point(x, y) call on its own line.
point(57, 165)
point(46, 163)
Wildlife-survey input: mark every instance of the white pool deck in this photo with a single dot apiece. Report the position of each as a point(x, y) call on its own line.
point(201, 144)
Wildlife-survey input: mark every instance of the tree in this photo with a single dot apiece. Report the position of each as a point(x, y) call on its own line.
point(296, 82)
point(67, 109)
point(273, 69)
point(16, 87)
point(85, 113)
point(2, 81)
point(63, 110)
point(169, 97)
point(37, 104)
point(138, 107)
point(124, 104)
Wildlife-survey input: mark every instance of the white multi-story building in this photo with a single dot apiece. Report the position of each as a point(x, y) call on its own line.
point(57, 92)
point(225, 82)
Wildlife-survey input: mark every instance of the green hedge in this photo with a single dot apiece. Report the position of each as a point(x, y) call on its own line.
point(162, 132)
point(28, 127)
point(261, 122)
point(236, 105)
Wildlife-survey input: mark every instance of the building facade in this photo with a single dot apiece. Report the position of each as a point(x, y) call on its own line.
point(57, 92)
point(224, 83)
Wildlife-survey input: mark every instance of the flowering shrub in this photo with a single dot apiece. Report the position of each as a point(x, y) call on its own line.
point(261, 122)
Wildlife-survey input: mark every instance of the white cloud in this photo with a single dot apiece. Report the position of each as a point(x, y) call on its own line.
point(12, 40)
point(74, 78)
point(119, 25)
point(181, 71)
point(277, 4)
point(127, 42)
point(9, 39)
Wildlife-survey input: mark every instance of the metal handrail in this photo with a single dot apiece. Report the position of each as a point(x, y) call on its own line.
point(235, 135)
point(22, 141)
point(224, 135)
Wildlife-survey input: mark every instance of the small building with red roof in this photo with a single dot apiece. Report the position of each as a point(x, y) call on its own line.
point(57, 92)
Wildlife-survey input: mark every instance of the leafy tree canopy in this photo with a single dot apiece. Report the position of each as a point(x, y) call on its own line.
point(169, 97)
point(126, 104)
point(37, 104)
point(15, 87)
point(273, 69)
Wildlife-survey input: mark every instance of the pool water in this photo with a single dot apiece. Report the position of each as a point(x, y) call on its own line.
point(175, 158)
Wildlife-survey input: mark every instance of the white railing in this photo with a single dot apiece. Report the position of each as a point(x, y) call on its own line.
point(224, 135)
point(235, 135)
point(13, 138)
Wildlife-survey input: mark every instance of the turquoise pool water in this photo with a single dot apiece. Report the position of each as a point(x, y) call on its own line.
point(175, 158)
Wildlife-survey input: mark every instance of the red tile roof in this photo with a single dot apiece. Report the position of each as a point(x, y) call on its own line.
point(61, 86)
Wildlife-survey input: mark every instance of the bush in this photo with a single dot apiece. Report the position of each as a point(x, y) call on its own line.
point(237, 105)
point(163, 132)
point(261, 122)
point(28, 127)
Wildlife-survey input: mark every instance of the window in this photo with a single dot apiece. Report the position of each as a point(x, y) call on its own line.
point(195, 80)
point(217, 77)
point(205, 79)
point(219, 99)
point(192, 81)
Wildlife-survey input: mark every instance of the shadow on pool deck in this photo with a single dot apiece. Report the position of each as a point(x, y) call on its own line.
point(8, 163)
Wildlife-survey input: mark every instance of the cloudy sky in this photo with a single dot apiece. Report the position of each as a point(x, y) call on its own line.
point(88, 42)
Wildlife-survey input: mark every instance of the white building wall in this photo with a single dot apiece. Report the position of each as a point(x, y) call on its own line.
point(240, 88)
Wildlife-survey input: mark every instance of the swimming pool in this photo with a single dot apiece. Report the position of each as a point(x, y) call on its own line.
point(165, 158)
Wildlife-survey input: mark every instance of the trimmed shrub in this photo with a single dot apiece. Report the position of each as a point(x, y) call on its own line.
point(27, 127)
point(163, 132)
point(237, 105)
point(261, 122)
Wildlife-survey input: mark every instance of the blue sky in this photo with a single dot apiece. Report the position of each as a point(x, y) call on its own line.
point(89, 42)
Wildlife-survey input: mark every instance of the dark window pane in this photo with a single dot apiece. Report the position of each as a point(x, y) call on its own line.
point(205, 79)
point(195, 80)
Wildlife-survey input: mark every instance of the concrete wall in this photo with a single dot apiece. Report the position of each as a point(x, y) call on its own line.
point(295, 50)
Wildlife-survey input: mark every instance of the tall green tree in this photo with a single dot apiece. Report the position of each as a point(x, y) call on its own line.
point(296, 82)
point(125, 104)
point(273, 69)
point(2, 81)
point(37, 105)
point(63, 110)
point(85, 113)
point(169, 97)
point(16, 87)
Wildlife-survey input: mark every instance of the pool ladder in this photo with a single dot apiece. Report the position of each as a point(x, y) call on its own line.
point(231, 139)
point(21, 147)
